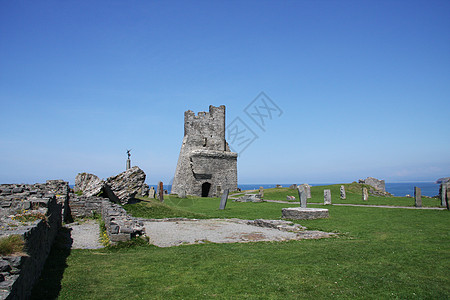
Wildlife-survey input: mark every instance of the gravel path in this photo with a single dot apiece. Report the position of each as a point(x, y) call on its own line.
point(174, 233)
point(85, 235)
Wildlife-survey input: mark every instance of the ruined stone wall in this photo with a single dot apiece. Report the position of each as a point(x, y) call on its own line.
point(120, 226)
point(85, 207)
point(19, 204)
point(376, 183)
point(205, 160)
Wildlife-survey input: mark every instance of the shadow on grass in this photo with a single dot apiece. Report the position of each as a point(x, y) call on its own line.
point(48, 285)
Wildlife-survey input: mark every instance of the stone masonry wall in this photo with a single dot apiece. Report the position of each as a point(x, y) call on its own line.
point(33, 212)
point(205, 160)
point(85, 207)
point(120, 226)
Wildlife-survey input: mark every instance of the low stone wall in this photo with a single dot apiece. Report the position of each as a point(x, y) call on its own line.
point(19, 273)
point(35, 212)
point(119, 225)
point(85, 207)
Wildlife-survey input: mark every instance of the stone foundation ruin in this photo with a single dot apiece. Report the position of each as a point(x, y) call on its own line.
point(35, 213)
point(205, 162)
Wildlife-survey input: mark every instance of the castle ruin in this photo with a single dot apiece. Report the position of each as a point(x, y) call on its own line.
point(205, 164)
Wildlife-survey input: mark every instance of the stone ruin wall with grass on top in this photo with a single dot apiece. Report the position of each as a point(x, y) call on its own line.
point(34, 213)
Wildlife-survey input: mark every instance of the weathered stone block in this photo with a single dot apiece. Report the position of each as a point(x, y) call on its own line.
point(300, 213)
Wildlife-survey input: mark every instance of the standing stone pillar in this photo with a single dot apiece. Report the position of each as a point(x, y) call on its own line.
point(151, 193)
point(302, 196)
point(223, 200)
point(342, 192)
point(160, 191)
point(417, 196)
point(447, 197)
point(326, 197)
point(443, 193)
point(365, 194)
point(261, 192)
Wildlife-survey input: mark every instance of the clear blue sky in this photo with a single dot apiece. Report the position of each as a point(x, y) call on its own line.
point(364, 86)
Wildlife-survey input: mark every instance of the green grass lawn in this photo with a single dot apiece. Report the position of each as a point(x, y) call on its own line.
point(381, 253)
point(353, 193)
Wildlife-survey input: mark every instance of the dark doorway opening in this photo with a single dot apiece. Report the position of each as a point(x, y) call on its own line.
point(205, 189)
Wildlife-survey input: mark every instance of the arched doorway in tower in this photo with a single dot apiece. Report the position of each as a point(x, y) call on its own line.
point(205, 189)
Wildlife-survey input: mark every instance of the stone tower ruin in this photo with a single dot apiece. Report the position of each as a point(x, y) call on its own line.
point(205, 162)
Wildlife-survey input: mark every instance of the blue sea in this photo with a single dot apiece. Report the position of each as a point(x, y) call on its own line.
point(396, 188)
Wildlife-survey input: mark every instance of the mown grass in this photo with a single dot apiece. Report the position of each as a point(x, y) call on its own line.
point(201, 208)
point(353, 193)
point(381, 253)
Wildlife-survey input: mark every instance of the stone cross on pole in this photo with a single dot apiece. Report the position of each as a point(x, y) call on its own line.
point(128, 160)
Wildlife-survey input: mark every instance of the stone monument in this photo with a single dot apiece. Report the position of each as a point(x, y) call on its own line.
point(261, 192)
point(302, 195)
point(365, 194)
point(223, 200)
point(307, 190)
point(445, 186)
point(303, 212)
point(417, 197)
point(128, 160)
point(205, 159)
point(342, 191)
point(160, 191)
point(326, 197)
point(151, 193)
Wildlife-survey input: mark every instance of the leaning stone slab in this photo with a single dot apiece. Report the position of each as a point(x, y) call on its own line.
point(224, 198)
point(89, 184)
point(124, 187)
point(300, 213)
